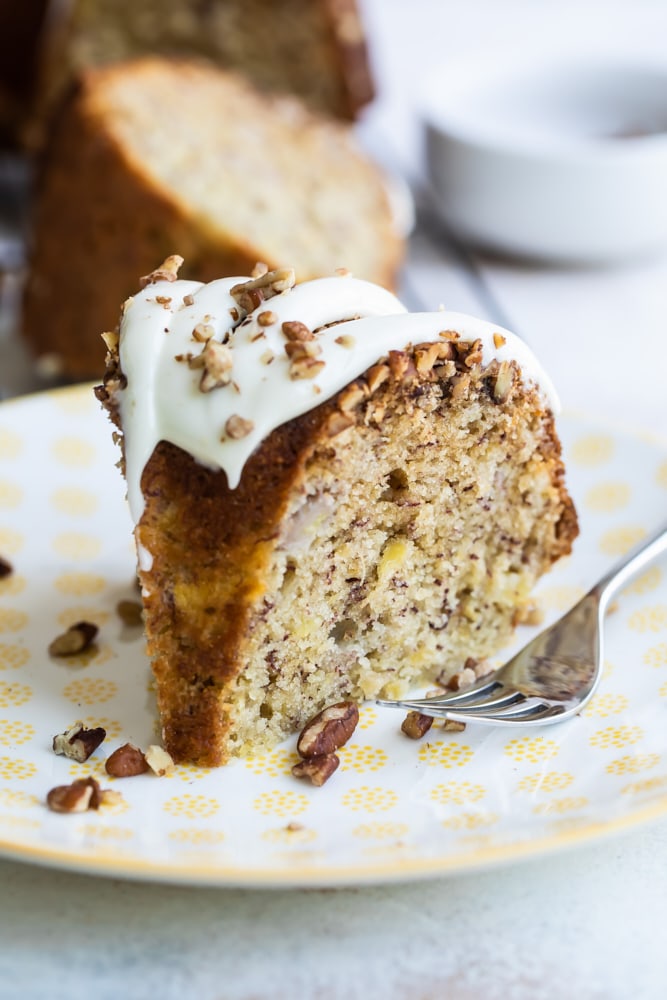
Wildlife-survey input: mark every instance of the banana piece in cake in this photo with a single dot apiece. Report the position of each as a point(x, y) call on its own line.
point(333, 498)
point(154, 154)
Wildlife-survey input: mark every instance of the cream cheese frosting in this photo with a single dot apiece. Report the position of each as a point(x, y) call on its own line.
point(167, 325)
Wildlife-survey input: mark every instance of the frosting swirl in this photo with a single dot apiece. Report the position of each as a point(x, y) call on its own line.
point(254, 385)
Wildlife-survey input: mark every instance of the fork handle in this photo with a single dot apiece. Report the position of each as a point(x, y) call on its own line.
point(637, 559)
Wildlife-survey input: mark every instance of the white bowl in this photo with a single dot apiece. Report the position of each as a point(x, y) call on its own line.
point(561, 158)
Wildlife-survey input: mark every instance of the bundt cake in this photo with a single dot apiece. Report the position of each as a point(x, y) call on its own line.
point(315, 49)
point(155, 154)
point(333, 498)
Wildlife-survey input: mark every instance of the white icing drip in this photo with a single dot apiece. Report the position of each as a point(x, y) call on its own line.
point(163, 402)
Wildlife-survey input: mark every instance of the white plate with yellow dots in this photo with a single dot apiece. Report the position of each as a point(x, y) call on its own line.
point(396, 808)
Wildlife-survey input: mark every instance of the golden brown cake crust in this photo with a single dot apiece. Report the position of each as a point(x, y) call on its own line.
point(210, 590)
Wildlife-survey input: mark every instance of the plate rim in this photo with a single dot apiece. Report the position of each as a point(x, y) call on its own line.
point(312, 875)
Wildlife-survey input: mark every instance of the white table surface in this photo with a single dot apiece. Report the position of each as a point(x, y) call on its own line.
point(588, 923)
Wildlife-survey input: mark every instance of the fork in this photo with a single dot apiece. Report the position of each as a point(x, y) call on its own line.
point(552, 677)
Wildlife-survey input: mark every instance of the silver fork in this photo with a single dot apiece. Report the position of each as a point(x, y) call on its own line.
point(552, 677)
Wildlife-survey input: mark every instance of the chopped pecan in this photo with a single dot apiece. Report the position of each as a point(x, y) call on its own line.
point(267, 318)
point(376, 375)
point(296, 331)
point(202, 333)
point(350, 397)
point(463, 679)
point(111, 340)
point(218, 361)
point(126, 762)
point(328, 730)
point(130, 613)
point(78, 743)
point(504, 383)
point(346, 340)
point(297, 349)
point(238, 427)
point(76, 639)
point(318, 769)
point(305, 367)
point(270, 283)
point(80, 796)
point(399, 362)
point(453, 726)
point(159, 761)
point(167, 271)
point(426, 356)
point(416, 724)
point(474, 355)
point(339, 422)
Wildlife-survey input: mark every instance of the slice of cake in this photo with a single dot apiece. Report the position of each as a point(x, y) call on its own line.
point(155, 154)
point(333, 498)
point(315, 49)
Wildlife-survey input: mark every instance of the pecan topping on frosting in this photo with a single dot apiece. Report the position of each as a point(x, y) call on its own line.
point(167, 271)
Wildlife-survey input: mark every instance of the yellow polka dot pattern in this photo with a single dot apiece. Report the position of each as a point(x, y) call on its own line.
point(532, 749)
point(458, 793)
point(616, 736)
point(11, 495)
point(14, 694)
point(592, 450)
point(618, 541)
point(278, 803)
point(12, 620)
point(362, 758)
point(445, 754)
point(272, 764)
point(12, 657)
point(90, 691)
point(11, 542)
point(76, 546)
point(450, 799)
point(647, 582)
point(75, 502)
point(650, 619)
point(10, 444)
point(550, 781)
point(15, 733)
point(603, 705)
point(192, 806)
point(631, 764)
point(608, 497)
point(369, 799)
point(80, 584)
point(12, 585)
point(71, 451)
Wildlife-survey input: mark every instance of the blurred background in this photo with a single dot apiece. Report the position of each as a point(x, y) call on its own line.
point(423, 55)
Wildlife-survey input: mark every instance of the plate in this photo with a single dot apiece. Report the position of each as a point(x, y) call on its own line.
point(396, 809)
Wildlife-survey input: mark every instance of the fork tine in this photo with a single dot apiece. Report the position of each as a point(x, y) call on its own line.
point(484, 705)
point(454, 699)
point(526, 714)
